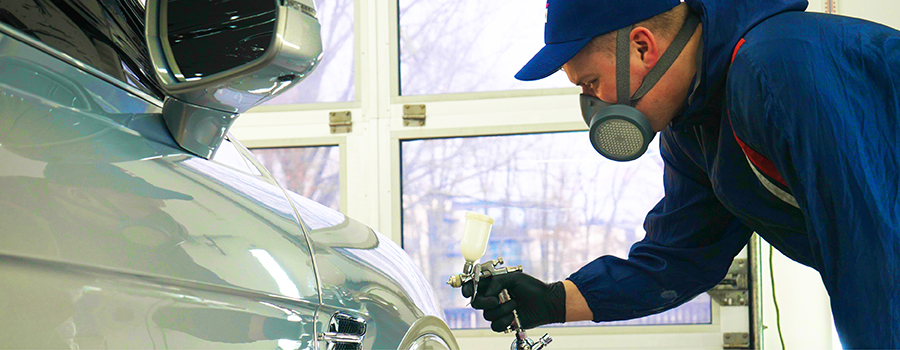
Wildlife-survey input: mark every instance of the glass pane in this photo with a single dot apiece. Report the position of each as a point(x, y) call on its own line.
point(312, 172)
point(557, 204)
point(332, 81)
point(455, 46)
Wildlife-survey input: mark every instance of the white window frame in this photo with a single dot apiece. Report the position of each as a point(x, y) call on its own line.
point(370, 162)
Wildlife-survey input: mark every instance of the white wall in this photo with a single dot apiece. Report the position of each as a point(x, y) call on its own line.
point(806, 321)
point(886, 12)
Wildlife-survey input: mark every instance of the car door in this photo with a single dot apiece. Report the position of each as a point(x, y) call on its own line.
point(349, 317)
point(113, 237)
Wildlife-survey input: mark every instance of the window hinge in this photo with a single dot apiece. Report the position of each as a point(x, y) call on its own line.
point(736, 341)
point(340, 122)
point(732, 291)
point(413, 115)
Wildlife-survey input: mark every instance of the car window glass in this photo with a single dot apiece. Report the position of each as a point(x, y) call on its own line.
point(105, 35)
point(256, 168)
point(253, 169)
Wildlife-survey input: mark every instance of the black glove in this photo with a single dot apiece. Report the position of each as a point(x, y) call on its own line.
point(536, 302)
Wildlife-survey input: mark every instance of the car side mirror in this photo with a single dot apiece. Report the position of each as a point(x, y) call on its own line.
point(215, 59)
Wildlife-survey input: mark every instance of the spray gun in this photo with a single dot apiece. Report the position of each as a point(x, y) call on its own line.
point(474, 243)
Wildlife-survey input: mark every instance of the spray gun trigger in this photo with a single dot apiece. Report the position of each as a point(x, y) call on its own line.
point(475, 278)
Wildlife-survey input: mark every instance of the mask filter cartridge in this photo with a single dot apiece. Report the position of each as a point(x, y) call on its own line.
point(619, 131)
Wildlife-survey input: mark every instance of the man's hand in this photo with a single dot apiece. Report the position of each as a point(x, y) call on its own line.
point(536, 302)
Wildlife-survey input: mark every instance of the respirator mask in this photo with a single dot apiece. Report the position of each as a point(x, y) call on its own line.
point(619, 131)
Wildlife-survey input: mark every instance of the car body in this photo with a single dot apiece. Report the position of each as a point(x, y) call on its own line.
point(114, 236)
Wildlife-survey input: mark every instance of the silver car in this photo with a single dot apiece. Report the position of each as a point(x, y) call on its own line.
point(129, 218)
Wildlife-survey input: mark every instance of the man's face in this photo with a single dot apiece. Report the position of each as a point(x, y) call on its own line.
point(595, 73)
point(594, 70)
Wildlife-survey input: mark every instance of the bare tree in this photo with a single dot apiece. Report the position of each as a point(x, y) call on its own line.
point(547, 207)
point(333, 79)
point(436, 51)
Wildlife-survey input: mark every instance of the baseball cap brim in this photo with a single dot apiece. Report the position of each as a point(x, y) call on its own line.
point(550, 59)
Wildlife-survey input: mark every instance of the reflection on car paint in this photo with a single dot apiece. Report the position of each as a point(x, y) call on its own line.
point(266, 195)
point(358, 245)
point(285, 285)
point(315, 215)
point(133, 227)
point(80, 307)
point(72, 198)
point(389, 258)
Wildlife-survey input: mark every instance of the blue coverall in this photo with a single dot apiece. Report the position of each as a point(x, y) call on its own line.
point(815, 100)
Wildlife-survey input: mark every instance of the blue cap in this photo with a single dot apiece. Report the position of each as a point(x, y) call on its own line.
point(571, 24)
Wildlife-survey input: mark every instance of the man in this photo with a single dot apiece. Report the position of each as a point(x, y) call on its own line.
point(771, 119)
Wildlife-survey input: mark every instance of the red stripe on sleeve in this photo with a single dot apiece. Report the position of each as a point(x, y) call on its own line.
point(736, 48)
point(759, 161)
point(762, 163)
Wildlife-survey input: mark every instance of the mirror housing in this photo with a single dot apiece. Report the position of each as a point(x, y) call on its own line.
point(215, 59)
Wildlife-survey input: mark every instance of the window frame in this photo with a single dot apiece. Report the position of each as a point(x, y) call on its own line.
point(370, 158)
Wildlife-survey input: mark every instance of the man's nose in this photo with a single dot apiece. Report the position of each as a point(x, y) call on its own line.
point(586, 90)
point(598, 94)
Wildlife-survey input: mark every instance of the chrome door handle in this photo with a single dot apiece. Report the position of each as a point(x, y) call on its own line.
point(344, 332)
point(333, 337)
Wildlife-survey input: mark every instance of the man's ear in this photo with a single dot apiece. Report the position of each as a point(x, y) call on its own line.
point(644, 44)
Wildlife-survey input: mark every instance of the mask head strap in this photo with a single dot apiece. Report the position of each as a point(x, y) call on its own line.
point(623, 65)
point(623, 77)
